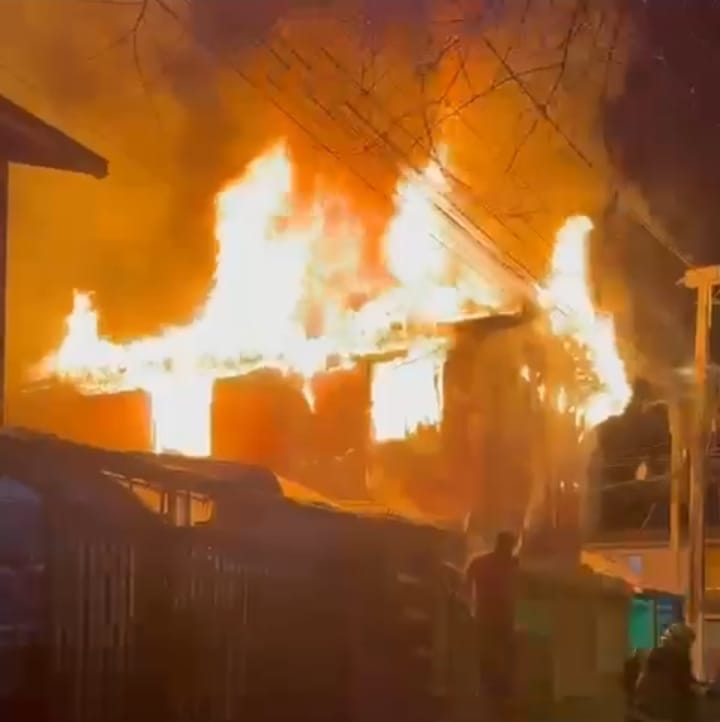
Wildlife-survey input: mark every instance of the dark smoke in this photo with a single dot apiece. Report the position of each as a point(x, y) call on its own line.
point(663, 134)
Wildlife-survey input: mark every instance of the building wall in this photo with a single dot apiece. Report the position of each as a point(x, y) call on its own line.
point(264, 419)
point(118, 421)
point(652, 566)
point(655, 566)
point(505, 451)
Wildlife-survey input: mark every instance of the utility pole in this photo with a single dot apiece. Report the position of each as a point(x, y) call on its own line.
point(703, 281)
point(4, 191)
point(678, 485)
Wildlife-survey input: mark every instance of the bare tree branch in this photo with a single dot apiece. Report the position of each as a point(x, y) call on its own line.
point(580, 6)
point(126, 35)
point(613, 45)
point(423, 71)
point(116, 3)
point(139, 20)
point(541, 108)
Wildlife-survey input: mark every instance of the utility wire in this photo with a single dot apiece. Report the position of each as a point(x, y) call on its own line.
point(525, 274)
point(515, 265)
point(518, 78)
point(509, 263)
point(513, 75)
point(505, 259)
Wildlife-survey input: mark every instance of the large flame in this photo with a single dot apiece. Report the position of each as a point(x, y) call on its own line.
point(291, 292)
point(572, 314)
point(285, 295)
point(407, 394)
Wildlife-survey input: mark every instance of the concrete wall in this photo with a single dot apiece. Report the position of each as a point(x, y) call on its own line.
point(656, 568)
point(653, 566)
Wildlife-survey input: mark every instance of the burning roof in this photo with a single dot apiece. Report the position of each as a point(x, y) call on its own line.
point(293, 290)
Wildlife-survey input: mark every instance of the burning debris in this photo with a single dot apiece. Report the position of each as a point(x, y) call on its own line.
point(285, 296)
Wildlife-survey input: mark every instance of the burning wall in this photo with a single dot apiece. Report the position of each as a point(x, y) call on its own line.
point(118, 421)
point(512, 448)
point(264, 418)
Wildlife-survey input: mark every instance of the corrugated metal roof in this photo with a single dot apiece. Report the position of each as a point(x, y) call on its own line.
point(26, 139)
point(52, 465)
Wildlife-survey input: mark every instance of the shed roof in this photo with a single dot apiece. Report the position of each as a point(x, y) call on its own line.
point(51, 465)
point(26, 139)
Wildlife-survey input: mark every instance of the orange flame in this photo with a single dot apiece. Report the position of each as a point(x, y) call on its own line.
point(572, 315)
point(281, 298)
point(276, 269)
point(407, 394)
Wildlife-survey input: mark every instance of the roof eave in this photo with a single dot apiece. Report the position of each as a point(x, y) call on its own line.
point(26, 139)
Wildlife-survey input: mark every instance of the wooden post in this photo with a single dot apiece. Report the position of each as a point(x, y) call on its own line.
point(4, 196)
point(703, 280)
point(678, 448)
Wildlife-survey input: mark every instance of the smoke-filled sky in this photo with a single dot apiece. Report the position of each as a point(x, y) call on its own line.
point(663, 131)
point(180, 94)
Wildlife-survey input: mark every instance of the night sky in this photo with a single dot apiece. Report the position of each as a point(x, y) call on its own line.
point(663, 134)
point(664, 131)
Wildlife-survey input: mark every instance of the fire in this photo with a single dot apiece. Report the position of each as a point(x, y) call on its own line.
point(181, 416)
point(407, 394)
point(284, 296)
point(572, 315)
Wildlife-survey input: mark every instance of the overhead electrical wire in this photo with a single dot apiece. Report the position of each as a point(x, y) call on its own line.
point(476, 233)
point(504, 258)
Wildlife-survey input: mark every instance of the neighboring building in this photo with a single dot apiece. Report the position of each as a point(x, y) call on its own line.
point(183, 589)
point(22, 577)
point(27, 140)
point(630, 531)
point(645, 557)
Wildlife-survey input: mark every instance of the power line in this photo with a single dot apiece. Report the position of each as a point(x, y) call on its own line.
point(511, 75)
point(525, 272)
point(542, 109)
point(518, 269)
point(450, 216)
point(222, 59)
point(455, 214)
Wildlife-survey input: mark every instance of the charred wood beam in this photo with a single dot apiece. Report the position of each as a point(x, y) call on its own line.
point(481, 327)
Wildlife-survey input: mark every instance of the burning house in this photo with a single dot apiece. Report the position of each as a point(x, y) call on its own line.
point(360, 374)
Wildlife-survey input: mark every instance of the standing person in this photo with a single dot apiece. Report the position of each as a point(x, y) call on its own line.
point(492, 581)
point(631, 673)
point(666, 690)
